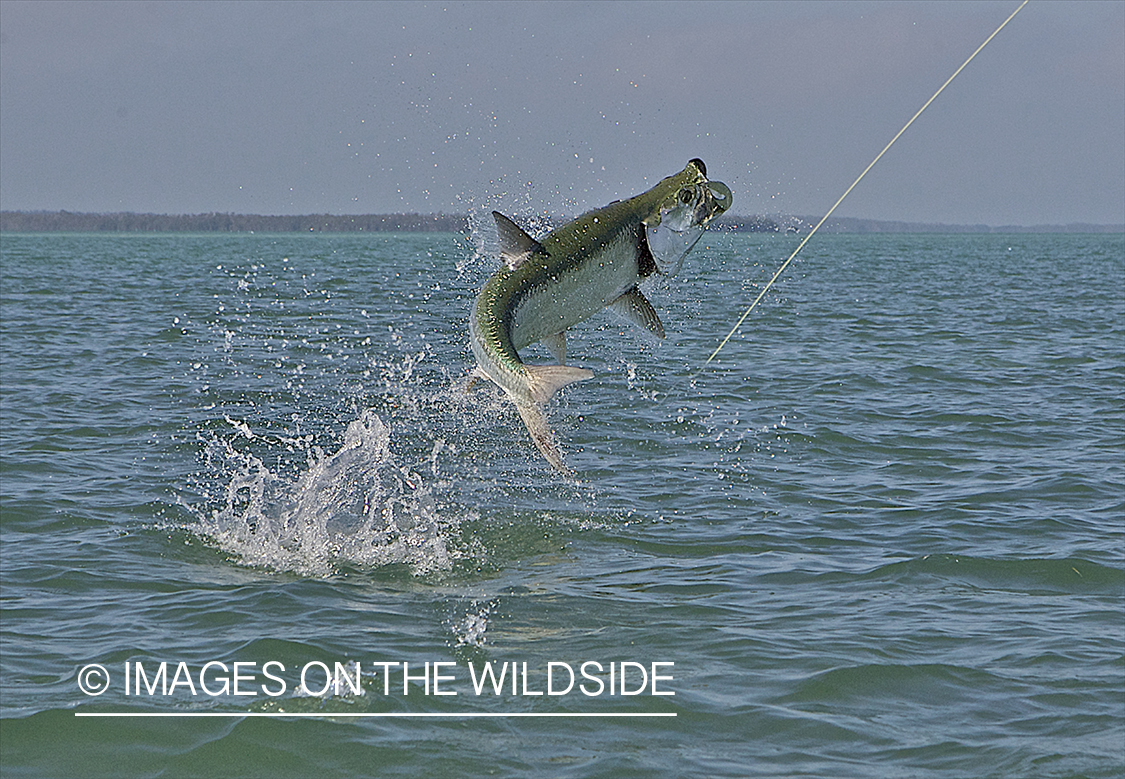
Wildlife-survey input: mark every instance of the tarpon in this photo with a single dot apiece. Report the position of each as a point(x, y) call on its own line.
point(550, 284)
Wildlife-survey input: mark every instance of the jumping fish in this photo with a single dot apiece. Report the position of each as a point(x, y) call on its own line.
point(550, 284)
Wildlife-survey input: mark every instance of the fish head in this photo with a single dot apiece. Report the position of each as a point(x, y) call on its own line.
point(687, 204)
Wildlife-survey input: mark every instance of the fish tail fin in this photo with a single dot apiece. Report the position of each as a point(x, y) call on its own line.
point(536, 422)
point(543, 382)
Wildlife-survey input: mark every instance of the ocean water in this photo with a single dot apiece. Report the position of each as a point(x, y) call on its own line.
point(883, 535)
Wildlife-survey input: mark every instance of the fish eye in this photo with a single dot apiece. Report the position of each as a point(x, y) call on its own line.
point(685, 195)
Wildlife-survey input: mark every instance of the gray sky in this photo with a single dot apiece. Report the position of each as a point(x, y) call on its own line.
point(287, 108)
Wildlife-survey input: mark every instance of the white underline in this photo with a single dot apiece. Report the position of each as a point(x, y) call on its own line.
point(355, 715)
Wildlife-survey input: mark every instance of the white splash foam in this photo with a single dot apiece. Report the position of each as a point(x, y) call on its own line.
point(470, 631)
point(353, 507)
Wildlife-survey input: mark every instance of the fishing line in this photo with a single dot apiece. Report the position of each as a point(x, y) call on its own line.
point(812, 232)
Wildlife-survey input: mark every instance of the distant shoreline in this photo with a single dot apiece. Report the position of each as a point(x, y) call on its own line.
point(128, 222)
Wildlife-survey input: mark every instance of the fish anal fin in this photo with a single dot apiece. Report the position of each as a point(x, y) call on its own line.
point(515, 244)
point(635, 307)
point(556, 345)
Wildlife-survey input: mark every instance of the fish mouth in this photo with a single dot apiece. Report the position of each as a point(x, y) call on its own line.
point(719, 198)
point(683, 216)
point(694, 206)
point(713, 200)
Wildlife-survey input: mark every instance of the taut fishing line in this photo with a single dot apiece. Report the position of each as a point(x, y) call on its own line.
point(812, 232)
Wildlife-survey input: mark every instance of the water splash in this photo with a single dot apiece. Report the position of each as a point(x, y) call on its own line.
point(470, 630)
point(355, 507)
point(285, 359)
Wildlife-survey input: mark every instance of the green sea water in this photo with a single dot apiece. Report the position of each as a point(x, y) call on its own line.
point(883, 535)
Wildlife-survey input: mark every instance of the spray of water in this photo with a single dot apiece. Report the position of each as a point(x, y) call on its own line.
point(353, 507)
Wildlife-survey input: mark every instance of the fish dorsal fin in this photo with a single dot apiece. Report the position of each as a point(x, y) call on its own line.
point(515, 245)
point(635, 307)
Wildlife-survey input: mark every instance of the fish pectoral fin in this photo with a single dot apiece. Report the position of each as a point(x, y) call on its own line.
point(556, 345)
point(545, 380)
point(515, 244)
point(635, 307)
point(536, 421)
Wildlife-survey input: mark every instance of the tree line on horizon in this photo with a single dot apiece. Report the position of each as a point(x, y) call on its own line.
point(128, 222)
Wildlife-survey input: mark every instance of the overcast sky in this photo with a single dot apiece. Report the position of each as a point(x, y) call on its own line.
point(293, 108)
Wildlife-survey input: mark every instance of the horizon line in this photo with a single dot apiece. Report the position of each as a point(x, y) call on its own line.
point(762, 222)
